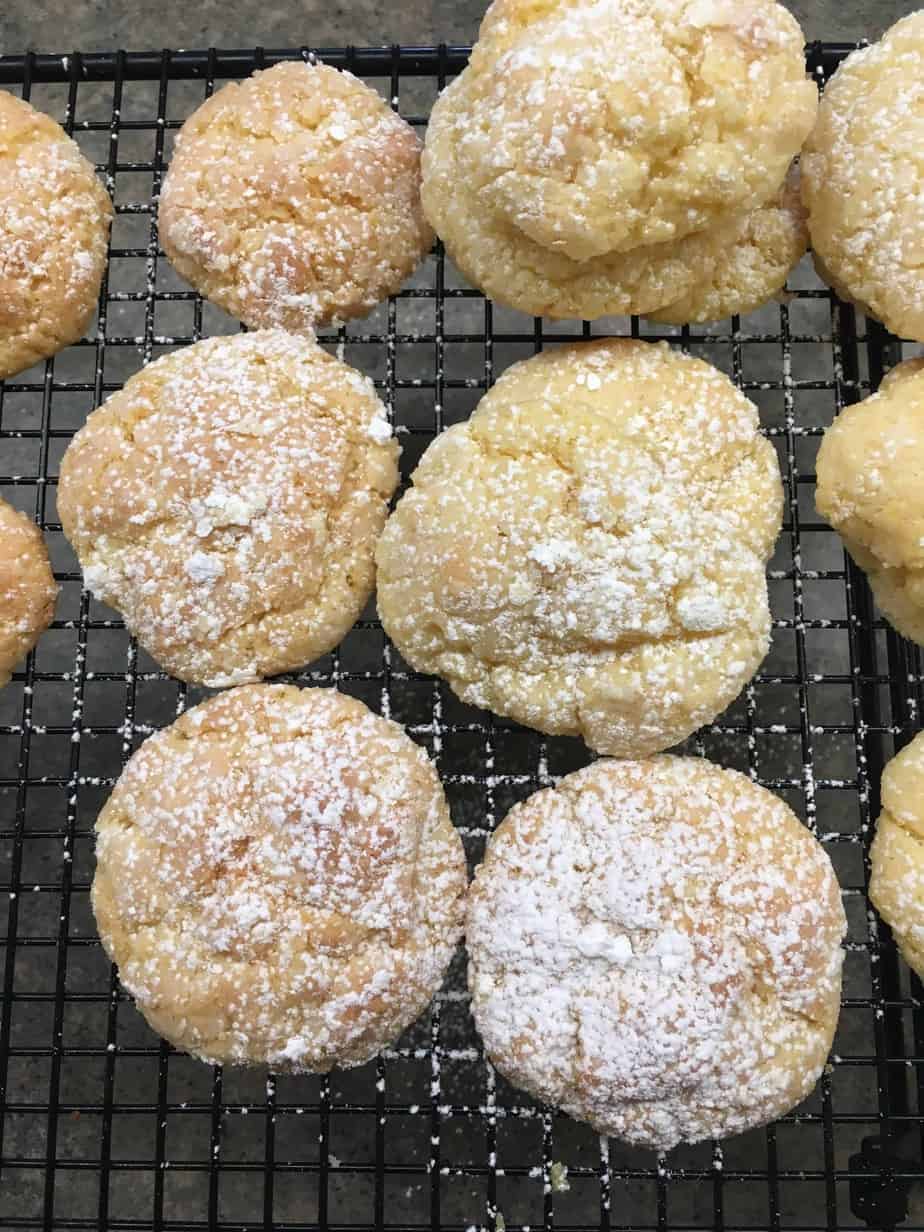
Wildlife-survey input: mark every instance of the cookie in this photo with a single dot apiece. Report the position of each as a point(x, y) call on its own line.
point(896, 886)
point(278, 880)
point(869, 488)
point(27, 588)
point(586, 554)
point(600, 157)
point(757, 259)
point(655, 947)
point(293, 198)
point(227, 502)
point(861, 185)
point(54, 231)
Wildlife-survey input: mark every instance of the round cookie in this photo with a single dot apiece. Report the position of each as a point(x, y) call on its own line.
point(598, 126)
point(293, 198)
point(731, 268)
point(862, 183)
point(586, 554)
point(758, 258)
point(227, 502)
point(278, 879)
point(27, 588)
point(54, 229)
point(655, 947)
point(896, 886)
point(870, 488)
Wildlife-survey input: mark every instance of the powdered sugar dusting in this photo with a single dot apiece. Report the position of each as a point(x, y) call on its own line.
point(233, 554)
point(293, 198)
point(897, 855)
point(27, 588)
point(706, 999)
point(54, 224)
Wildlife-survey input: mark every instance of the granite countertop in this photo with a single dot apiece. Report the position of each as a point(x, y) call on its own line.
point(56, 25)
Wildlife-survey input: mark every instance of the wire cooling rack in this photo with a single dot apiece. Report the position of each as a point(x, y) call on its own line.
point(104, 1126)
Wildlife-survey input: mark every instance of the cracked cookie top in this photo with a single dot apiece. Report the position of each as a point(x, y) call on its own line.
point(586, 555)
point(278, 879)
point(27, 588)
point(655, 947)
point(293, 198)
point(227, 502)
point(862, 179)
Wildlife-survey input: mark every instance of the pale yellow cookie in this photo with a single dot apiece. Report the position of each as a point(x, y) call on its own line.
point(27, 588)
point(896, 885)
point(655, 947)
point(278, 880)
point(753, 266)
point(293, 198)
point(54, 229)
point(227, 502)
point(586, 554)
point(870, 487)
point(863, 182)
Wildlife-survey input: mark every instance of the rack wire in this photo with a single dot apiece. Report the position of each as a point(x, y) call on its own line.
point(104, 1126)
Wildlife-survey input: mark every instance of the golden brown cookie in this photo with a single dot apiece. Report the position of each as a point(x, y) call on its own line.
point(655, 947)
point(227, 501)
point(54, 229)
point(896, 885)
point(278, 880)
point(602, 156)
point(870, 487)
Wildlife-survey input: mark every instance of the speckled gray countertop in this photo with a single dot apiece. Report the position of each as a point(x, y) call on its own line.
point(54, 25)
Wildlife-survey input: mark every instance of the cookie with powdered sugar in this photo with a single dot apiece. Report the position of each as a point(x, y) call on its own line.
point(586, 554)
point(863, 187)
point(54, 230)
point(278, 879)
point(896, 886)
point(869, 488)
point(27, 588)
point(606, 156)
point(227, 502)
point(655, 947)
point(293, 198)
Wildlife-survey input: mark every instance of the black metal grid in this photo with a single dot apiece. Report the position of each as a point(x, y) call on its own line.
point(101, 1124)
